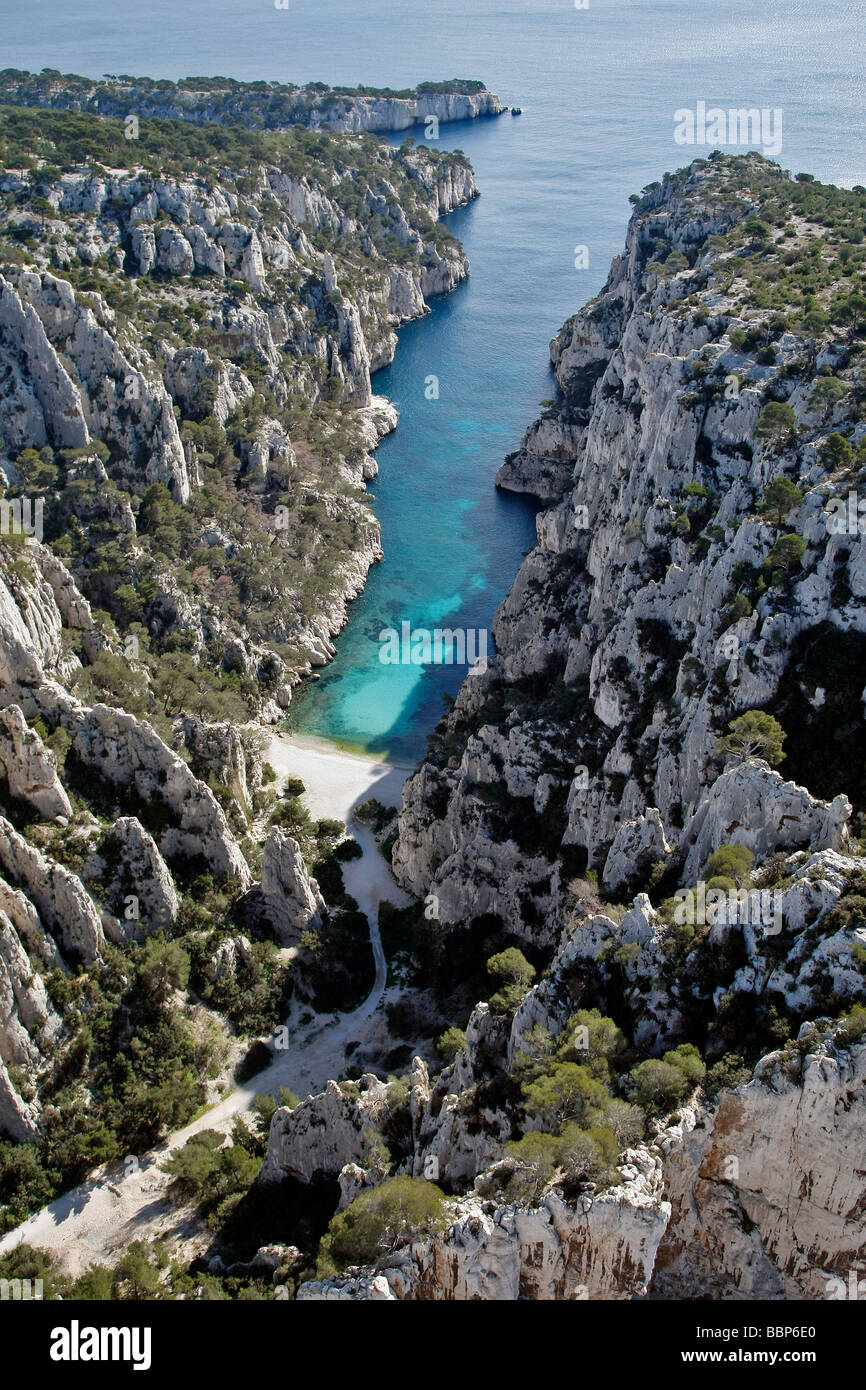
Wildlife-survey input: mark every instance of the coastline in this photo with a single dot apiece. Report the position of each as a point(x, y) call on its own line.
point(336, 780)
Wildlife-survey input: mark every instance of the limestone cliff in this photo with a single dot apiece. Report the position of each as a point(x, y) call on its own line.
point(256, 303)
point(226, 101)
point(700, 558)
point(654, 608)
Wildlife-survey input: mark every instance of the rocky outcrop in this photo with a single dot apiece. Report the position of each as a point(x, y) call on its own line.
point(136, 881)
point(753, 806)
point(759, 1197)
point(786, 942)
point(107, 397)
point(767, 1191)
point(219, 749)
point(455, 1134)
point(29, 1028)
point(58, 895)
point(31, 625)
point(326, 1132)
point(125, 752)
point(279, 108)
point(19, 1119)
point(26, 1016)
point(620, 653)
point(292, 900)
point(603, 1247)
point(30, 769)
point(305, 323)
point(637, 846)
point(25, 919)
point(228, 957)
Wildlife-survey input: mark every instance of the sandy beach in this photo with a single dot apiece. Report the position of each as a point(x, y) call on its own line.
point(336, 781)
point(96, 1221)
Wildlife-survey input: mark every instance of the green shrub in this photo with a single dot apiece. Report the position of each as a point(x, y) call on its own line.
point(512, 972)
point(781, 496)
point(731, 861)
point(777, 423)
point(378, 1221)
point(450, 1043)
point(659, 1086)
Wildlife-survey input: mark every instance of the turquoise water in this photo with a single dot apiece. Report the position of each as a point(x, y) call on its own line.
point(599, 88)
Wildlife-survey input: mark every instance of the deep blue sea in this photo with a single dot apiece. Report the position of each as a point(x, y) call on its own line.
point(599, 87)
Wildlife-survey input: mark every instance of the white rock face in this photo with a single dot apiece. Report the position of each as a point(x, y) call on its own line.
point(29, 767)
point(618, 622)
point(230, 954)
point(637, 844)
point(325, 1133)
point(41, 401)
point(138, 884)
point(450, 1140)
point(605, 1248)
point(129, 753)
point(296, 106)
point(26, 1015)
point(402, 113)
point(292, 898)
point(25, 919)
point(31, 623)
point(759, 1198)
point(19, 1119)
point(45, 320)
point(767, 1194)
point(220, 749)
point(58, 895)
point(753, 806)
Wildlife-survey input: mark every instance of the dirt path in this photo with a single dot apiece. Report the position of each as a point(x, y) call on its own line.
point(128, 1201)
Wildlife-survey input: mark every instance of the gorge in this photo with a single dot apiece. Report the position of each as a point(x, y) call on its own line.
point(646, 1103)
